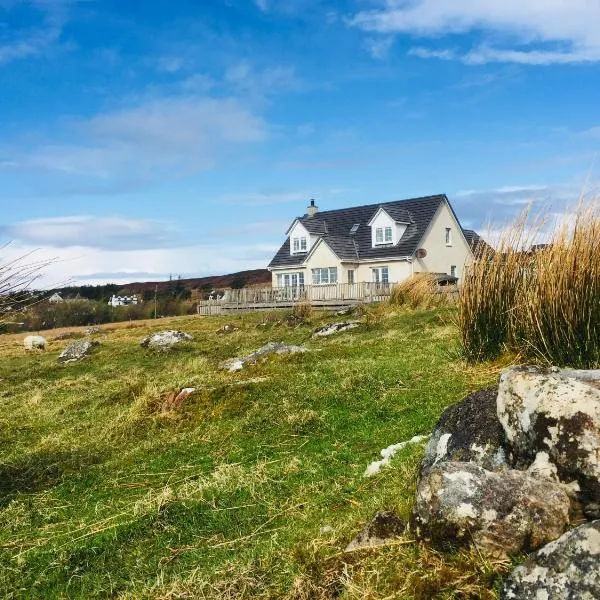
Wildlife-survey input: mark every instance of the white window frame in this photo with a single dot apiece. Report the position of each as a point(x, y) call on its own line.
point(290, 280)
point(381, 275)
point(384, 236)
point(299, 244)
point(350, 276)
point(448, 236)
point(379, 235)
point(452, 270)
point(388, 234)
point(325, 276)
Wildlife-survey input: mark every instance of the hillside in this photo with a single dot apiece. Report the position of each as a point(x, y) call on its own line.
point(251, 488)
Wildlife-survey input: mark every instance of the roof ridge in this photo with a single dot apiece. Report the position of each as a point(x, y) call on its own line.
point(376, 205)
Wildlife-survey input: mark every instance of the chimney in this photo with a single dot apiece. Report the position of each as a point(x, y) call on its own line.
point(313, 209)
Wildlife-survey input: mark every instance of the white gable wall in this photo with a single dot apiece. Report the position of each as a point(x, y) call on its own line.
point(441, 257)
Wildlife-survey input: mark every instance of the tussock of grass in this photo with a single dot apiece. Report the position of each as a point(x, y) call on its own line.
point(103, 495)
point(542, 304)
point(421, 291)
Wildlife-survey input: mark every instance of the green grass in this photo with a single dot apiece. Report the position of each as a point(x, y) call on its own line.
point(246, 491)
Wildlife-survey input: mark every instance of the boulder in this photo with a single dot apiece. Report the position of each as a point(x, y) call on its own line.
point(335, 328)
point(552, 418)
point(468, 432)
point(383, 528)
point(566, 569)
point(237, 364)
point(34, 342)
point(228, 328)
point(77, 351)
point(92, 330)
point(504, 512)
point(165, 340)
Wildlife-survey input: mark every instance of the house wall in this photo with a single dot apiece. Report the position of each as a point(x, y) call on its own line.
point(398, 270)
point(322, 258)
point(441, 257)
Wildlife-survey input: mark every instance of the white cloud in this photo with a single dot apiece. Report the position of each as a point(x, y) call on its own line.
point(93, 266)
point(161, 137)
point(379, 48)
point(534, 31)
point(92, 232)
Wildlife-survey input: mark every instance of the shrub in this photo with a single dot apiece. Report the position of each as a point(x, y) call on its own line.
point(543, 302)
point(302, 310)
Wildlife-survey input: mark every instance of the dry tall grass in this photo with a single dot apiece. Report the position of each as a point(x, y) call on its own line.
point(543, 303)
point(421, 291)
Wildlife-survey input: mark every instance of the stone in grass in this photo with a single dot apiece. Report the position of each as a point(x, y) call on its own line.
point(468, 432)
point(165, 340)
point(77, 351)
point(503, 512)
point(382, 529)
point(566, 569)
point(228, 328)
point(176, 399)
point(34, 342)
point(335, 328)
point(551, 420)
point(237, 364)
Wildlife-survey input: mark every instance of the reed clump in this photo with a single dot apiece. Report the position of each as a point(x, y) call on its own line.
point(541, 301)
point(420, 291)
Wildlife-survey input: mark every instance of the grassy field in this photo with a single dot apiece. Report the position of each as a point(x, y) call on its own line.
point(252, 489)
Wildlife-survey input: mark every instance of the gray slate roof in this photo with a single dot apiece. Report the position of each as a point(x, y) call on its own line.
point(477, 243)
point(334, 227)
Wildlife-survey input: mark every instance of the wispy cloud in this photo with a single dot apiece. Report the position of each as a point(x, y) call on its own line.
point(379, 47)
point(262, 198)
point(534, 32)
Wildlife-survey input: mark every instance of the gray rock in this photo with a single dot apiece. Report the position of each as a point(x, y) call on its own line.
point(502, 512)
point(383, 528)
point(34, 342)
point(77, 351)
point(165, 340)
point(92, 330)
point(566, 569)
point(237, 364)
point(228, 328)
point(335, 328)
point(345, 312)
point(468, 432)
point(551, 420)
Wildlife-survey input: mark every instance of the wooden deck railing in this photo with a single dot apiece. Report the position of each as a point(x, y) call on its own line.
point(286, 296)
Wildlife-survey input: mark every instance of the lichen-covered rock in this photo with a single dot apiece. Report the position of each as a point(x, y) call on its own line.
point(335, 328)
point(164, 340)
point(505, 511)
point(77, 351)
point(553, 417)
point(237, 364)
point(566, 569)
point(468, 432)
point(383, 528)
point(34, 342)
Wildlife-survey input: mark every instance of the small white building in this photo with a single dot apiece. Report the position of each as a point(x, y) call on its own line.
point(56, 298)
point(123, 300)
point(379, 243)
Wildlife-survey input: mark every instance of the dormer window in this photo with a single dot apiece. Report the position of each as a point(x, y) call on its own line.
point(384, 235)
point(299, 244)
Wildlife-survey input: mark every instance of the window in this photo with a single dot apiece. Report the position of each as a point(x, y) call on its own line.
point(384, 235)
point(324, 276)
point(354, 228)
point(453, 270)
point(299, 244)
point(448, 236)
point(351, 276)
point(290, 280)
point(381, 275)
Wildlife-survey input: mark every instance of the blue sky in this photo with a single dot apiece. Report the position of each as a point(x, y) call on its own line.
point(142, 139)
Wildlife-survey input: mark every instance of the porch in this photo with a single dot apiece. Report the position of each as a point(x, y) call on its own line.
point(329, 296)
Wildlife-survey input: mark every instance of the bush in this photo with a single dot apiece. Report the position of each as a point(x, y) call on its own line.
point(543, 303)
point(302, 310)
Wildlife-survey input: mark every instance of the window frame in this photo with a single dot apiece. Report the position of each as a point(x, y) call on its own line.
point(452, 270)
point(389, 230)
point(299, 245)
point(448, 236)
point(380, 275)
point(331, 275)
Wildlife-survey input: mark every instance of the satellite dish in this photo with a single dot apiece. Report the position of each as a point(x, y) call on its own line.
point(421, 253)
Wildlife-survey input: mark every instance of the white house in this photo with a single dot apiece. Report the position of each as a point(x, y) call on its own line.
point(122, 300)
point(380, 243)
